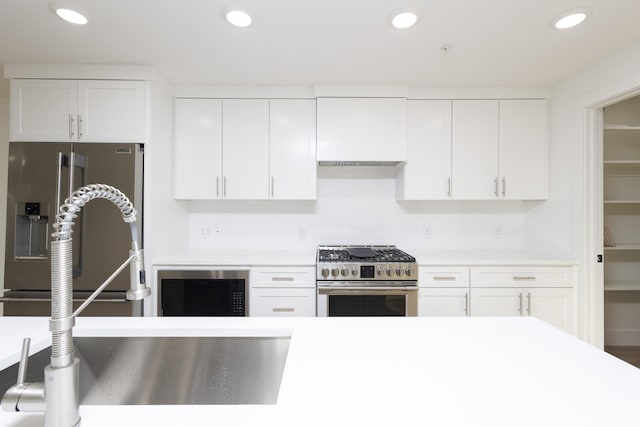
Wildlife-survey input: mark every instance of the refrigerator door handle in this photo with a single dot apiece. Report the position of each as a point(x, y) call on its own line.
point(63, 161)
point(78, 161)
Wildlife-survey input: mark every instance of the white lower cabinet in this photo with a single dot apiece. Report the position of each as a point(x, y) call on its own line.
point(443, 302)
point(543, 291)
point(549, 294)
point(282, 291)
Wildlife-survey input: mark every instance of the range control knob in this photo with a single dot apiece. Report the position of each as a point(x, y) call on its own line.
point(379, 272)
point(399, 272)
point(335, 271)
point(325, 272)
point(344, 271)
point(409, 272)
point(389, 272)
point(354, 271)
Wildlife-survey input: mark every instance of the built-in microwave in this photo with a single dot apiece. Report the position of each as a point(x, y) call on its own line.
point(203, 292)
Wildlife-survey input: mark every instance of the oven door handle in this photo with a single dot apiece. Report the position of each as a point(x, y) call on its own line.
point(335, 290)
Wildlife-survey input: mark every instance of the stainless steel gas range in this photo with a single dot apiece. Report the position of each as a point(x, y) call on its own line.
point(366, 281)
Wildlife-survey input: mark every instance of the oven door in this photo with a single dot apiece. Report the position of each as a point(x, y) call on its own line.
point(367, 299)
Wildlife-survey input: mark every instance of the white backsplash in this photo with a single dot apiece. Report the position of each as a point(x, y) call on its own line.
point(356, 206)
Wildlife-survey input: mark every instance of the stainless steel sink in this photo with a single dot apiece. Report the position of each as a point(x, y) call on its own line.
point(171, 370)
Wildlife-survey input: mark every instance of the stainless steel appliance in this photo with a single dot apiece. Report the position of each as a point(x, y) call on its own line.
point(366, 281)
point(41, 176)
point(203, 292)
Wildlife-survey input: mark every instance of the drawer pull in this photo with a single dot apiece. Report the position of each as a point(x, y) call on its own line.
point(444, 278)
point(282, 279)
point(524, 277)
point(283, 310)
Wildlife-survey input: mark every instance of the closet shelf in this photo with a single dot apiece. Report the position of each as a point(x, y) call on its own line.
point(622, 285)
point(623, 247)
point(620, 127)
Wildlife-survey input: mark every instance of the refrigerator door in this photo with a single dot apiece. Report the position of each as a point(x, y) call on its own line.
point(31, 204)
point(103, 239)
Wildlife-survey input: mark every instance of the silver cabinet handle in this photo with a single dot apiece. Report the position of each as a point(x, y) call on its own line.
point(466, 303)
point(224, 186)
point(71, 126)
point(282, 279)
point(496, 187)
point(283, 310)
point(79, 126)
point(520, 303)
point(449, 186)
point(529, 303)
point(504, 186)
point(524, 277)
point(271, 186)
point(443, 278)
point(217, 186)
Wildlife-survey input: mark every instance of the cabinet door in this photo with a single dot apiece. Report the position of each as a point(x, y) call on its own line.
point(274, 302)
point(427, 173)
point(198, 149)
point(443, 302)
point(552, 305)
point(523, 149)
point(292, 147)
point(475, 150)
point(43, 110)
point(496, 302)
point(362, 129)
point(111, 111)
point(245, 156)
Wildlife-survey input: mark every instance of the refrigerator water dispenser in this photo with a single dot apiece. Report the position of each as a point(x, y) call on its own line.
point(32, 231)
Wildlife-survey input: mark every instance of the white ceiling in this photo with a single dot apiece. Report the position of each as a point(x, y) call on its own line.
point(302, 42)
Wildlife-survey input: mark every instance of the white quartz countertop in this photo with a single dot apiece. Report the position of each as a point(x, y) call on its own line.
point(307, 257)
point(382, 372)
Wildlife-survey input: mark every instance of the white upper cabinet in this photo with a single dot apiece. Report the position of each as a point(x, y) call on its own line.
point(523, 149)
point(500, 150)
point(43, 110)
point(475, 150)
point(292, 147)
point(362, 130)
point(245, 154)
point(111, 111)
point(198, 149)
point(427, 173)
point(78, 111)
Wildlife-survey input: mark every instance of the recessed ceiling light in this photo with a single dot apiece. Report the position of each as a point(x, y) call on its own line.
point(570, 18)
point(71, 15)
point(238, 18)
point(404, 19)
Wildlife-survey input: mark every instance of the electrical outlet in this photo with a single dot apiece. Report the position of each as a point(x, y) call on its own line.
point(426, 232)
point(205, 232)
point(301, 233)
point(499, 232)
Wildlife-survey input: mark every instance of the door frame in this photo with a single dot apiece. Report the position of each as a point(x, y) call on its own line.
point(593, 105)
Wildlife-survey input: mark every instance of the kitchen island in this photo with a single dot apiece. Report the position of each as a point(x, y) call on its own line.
point(383, 371)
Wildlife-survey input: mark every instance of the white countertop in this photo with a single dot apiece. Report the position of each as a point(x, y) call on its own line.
point(385, 371)
point(307, 257)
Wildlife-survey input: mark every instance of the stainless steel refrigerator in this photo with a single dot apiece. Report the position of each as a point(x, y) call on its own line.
point(41, 176)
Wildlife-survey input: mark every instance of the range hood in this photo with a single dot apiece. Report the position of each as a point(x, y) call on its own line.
point(361, 131)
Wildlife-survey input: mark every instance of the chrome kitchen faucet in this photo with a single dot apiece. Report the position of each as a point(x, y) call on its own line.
point(58, 397)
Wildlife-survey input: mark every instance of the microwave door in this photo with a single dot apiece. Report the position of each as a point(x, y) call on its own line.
point(33, 170)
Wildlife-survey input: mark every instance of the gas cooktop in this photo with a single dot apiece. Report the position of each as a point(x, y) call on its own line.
point(365, 263)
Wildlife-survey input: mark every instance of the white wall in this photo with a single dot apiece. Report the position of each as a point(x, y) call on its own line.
point(4, 153)
point(559, 223)
point(356, 206)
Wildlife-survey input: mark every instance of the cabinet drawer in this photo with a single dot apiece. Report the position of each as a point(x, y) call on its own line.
point(284, 277)
point(275, 302)
point(522, 276)
point(443, 277)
